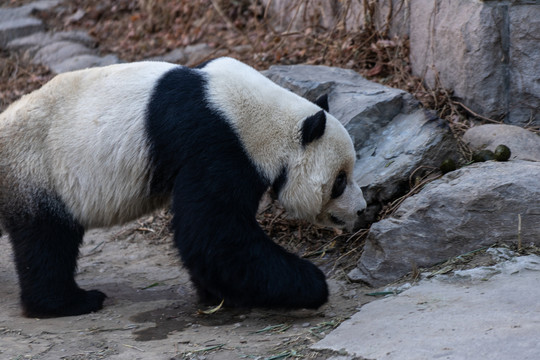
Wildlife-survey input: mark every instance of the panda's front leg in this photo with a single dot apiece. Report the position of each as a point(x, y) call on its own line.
point(46, 246)
point(230, 258)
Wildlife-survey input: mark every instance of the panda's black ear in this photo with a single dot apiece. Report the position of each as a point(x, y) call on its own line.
point(322, 101)
point(313, 127)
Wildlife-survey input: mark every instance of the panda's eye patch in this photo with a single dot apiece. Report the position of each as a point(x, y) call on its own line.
point(339, 185)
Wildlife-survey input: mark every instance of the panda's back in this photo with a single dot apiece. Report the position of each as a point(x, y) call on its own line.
point(82, 136)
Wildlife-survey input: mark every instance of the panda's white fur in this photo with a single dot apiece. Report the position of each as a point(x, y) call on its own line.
point(82, 136)
point(249, 103)
point(78, 153)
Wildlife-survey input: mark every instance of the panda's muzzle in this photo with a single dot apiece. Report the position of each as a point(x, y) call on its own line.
point(337, 221)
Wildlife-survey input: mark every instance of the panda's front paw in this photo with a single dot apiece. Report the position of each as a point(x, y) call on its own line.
point(78, 302)
point(308, 289)
point(91, 301)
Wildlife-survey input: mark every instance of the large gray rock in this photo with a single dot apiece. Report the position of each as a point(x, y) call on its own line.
point(523, 144)
point(392, 134)
point(444, 34)
point(418, 140)
point(466, 209)
point(485, 51)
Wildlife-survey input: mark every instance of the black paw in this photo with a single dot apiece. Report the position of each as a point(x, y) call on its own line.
point(77, 303)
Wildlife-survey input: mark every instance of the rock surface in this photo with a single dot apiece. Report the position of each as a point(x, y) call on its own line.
point(415, 141)
point(523, 64)
point(465, 210)
point(443, 36)
point(523, 144)
point(485, 313)
point(392, 134)
point(485, 51)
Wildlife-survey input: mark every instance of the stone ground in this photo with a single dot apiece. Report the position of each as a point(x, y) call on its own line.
point(152, 311)
point(481, 313)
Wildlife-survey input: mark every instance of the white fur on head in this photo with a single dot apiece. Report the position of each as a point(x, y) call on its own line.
point(268, 120)
point(309, 188)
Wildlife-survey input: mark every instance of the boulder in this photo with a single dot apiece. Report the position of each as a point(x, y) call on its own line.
point(523, 144)
point(467, 209)
point(393, 135)
point(524, 67)
point(486, 52)
point(410, 143)
point(443, 36)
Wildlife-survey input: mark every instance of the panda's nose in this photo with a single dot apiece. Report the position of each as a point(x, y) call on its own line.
point(360, 212)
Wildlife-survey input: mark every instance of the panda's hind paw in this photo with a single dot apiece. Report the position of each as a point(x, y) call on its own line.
point(83, 302)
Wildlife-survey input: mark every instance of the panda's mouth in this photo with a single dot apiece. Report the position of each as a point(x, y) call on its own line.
point(337, 221)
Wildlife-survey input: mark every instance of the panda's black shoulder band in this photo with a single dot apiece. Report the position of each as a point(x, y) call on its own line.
point(313, 127)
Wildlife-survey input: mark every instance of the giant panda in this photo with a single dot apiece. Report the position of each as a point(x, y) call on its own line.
point(98, 147)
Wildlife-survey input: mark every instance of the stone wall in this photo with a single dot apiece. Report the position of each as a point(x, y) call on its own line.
point(487, 52)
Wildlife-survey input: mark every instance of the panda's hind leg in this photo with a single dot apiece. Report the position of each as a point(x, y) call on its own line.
point(46, 241)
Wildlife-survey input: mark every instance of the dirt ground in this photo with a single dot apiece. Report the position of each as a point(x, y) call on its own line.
point(152, 312)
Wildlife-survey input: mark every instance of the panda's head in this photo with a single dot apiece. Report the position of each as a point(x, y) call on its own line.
point(295, 144)
point(318, 183)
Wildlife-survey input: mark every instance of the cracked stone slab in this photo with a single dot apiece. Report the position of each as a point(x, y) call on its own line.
point(477, 314)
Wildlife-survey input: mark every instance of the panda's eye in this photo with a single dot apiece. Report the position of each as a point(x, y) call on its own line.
point(339, 185)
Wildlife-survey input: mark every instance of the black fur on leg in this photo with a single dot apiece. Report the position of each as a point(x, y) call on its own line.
point(229, 256)
point(46, 243)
